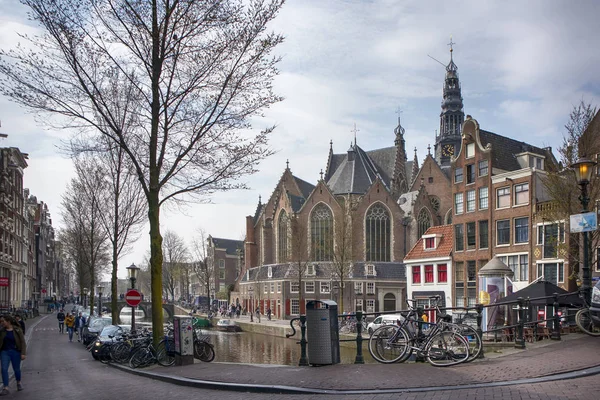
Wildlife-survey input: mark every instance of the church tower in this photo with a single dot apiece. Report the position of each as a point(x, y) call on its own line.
point(400, 181)
point(447, 142)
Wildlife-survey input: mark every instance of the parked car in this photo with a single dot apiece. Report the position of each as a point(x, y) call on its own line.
point(383, 320)
point(93, 328)
point(108, 334)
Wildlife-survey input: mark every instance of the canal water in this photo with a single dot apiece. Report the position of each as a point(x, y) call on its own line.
point(253, 348)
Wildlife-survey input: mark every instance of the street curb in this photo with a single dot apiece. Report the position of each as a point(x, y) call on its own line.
point(282, 389)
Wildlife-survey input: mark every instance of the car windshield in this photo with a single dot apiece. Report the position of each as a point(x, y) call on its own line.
point(110, 330)
point(98, 323)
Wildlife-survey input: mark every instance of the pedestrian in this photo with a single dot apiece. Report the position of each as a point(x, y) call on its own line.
point(258, 314)
point(13, 349)
point(70, 323)
point(269, 313)
point(21, 322)
point(79, 324)
point(61, 321)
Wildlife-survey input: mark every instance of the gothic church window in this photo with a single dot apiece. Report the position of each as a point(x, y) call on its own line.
point(321, 233)
point(283, 226)
point(424, 221)
point(378, 229)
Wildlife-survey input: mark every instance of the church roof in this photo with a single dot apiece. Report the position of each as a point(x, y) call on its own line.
point(305, 187)
point(229, 245)
point(296, 201)
point(504, 150)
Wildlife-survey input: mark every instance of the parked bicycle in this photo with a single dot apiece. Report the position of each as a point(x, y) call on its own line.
point(441, 346)
point(586, 319)
point(164, 353)
point(203, 349)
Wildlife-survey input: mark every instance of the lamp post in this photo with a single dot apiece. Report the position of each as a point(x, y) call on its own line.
point(132, 272)
point(85, 293)
point(100, 290)
point(583, 172)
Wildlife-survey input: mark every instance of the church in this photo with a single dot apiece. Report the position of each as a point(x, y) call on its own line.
point(344, 237)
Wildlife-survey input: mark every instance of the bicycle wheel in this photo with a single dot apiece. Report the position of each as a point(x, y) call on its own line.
point(119, 352)
point(389, 344)
point(165, 352)
point(104, 354)
point(475, 343)
point(141, 358)
point(447, 348)
point(584, 321)
point(204, 351)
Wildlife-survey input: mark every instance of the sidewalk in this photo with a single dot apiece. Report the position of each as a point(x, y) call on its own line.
point(576, 352)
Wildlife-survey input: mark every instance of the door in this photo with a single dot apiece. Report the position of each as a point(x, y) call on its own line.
point(389, 302)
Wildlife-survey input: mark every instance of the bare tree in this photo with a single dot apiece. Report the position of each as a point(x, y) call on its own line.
point(203, 269)
point(342, 264)
point(176, 254)
point(197, 72)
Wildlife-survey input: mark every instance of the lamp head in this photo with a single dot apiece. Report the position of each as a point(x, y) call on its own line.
point(583, 170)
point(85, 291)
point(100, 288)
point(132, 271)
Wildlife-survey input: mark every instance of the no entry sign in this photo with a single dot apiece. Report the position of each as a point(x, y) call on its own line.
point(133, 297)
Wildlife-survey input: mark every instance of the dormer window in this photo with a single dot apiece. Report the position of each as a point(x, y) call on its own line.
point(370, 270)
point(310, 270)
point(430, 242)
point(270, 272)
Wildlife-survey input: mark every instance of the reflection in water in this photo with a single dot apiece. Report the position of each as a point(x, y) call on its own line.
point(253, 348)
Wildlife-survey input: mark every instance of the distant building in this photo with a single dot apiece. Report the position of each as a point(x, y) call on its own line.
point(224, 259)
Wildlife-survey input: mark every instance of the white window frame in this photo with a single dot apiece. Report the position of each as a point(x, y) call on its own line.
point(358, 305)
point(482, 190)
point(295, 284)
point(471, 201)
point(310, 270)
point(295, 306)
point(370, 305)
point(519, 189)
point(306, 287)
point(459, 200)
point(370, 270)
point(504, 195)
point(269, 272)
point(272, 287)
point(470, 150)
point(279, 287)
point(358, 287)
point(325, 287)
point(266, 287)
point(370, 287)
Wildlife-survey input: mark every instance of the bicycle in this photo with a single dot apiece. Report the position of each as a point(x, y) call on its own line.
point(467, 331)
point(203, 349)
point(164, 353)
point(585, 319)
point(122, 351)
point(441, 346)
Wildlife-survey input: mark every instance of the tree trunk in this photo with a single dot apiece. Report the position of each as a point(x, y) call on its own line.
point(156, 261)
point(115, 263)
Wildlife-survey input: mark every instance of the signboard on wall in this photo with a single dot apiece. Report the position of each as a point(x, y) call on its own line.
point(4, 281)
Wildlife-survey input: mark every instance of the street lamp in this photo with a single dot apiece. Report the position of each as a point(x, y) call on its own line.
point(100, 290)
point(132, 272)
point(85, 293)
point(583, 173)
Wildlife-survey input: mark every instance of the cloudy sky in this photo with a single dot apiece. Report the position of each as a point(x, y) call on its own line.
point(522, 66)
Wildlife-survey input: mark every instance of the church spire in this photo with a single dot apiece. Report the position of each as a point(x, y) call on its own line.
point(399, 131)
point(415, 168)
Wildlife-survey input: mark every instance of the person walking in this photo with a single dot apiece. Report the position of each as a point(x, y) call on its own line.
point(13, 349)
point(70, 323)
point(61, 321)
point(20, 322)
point(258, 314)
point(79, 324)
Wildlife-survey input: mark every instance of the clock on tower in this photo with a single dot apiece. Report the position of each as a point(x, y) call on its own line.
point(448, 150)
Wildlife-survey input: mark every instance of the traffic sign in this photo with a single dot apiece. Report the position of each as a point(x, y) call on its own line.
point(43, 291)
point(133, 297)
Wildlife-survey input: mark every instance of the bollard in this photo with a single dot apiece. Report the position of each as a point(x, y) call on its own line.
point(479, 308)
point(556, 325)
point(303, 358)
point(519, 340)
point(359, 355)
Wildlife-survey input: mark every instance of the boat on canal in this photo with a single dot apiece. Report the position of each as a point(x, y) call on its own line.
point(228, 325)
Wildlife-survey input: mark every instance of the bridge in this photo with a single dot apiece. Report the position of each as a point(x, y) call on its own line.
point(146, 308)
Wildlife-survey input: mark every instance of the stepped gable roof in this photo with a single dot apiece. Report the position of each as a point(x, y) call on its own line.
point(443, 249)
point(356, 174)
point(229, 245)
point(504, 150)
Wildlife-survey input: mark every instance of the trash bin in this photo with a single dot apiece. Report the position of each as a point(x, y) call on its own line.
point(322, 332)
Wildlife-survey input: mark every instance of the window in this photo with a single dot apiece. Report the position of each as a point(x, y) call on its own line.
point(458, 203)
point(524, 267)
point(309, 287)
point(222, 273)
point(430, 243)
point(358, 286)
point(522, 194)
point(310, 270)
point(370, 287)
point(471, 236)
point(442, 273)
point(370, 270)
point(550, 236)
point(370, 305)
point(294, 287)
point(503, 197)
point(424, 221)
point(295, 306)
point(471, 271)
point(470, 173)
point(321, 233)
point(459, 237)
point(483, 168)
point(359, 305)
point(470, 200)
point(416, 273)
point(272, 287)
point(266, 287)
point(282, 237)
point(378, 224)
point(429, 274)
point(552, 272)
point(269, 272)
point(483, 234)
point(471, 297)
point(325, 287)
point(459, 272)
point(221, 263)
point(521, 230)
point(519, 264)
point(470, 148)
point(278, 287)
point(458, 175)
point(503, 232)
point(483, 198)
point(459, 285)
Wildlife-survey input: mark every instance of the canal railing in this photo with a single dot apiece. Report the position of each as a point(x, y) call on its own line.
point(525, 329)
